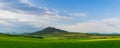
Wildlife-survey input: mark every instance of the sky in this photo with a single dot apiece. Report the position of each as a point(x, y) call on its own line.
point(88, 16)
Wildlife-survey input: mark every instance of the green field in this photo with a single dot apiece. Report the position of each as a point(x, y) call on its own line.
point(24, 42)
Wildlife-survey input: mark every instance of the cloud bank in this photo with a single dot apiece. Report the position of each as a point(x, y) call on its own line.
point(25, 16)
point(20, 14)
point(109, 25)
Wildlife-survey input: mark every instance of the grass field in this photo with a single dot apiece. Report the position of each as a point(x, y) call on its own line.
point(23, 42)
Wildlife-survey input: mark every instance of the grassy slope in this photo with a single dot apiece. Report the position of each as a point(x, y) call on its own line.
point(22, 42)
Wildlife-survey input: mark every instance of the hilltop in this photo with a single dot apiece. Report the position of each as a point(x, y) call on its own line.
point(50, 30)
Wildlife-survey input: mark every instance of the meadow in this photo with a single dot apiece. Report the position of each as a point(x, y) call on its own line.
point(25, 42)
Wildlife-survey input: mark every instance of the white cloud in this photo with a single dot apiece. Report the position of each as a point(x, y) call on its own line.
point(28, 3)
point(29, 13)
point(102, 26)
point(1, 4)
point(2, 22)
point(79, 14)
point(113, 21)
point(34, 20)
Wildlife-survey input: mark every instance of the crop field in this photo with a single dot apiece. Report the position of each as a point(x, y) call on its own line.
point(24, 42)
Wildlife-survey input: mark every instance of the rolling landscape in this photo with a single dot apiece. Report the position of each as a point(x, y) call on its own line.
point(51, 37)
point(59, 23)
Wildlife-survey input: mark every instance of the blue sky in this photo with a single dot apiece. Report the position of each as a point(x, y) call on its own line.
point(100, 16)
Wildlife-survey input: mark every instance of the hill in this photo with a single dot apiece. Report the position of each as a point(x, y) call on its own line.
point(50, 30)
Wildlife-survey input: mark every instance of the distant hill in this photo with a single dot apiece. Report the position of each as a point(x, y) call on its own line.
point(50, 30)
